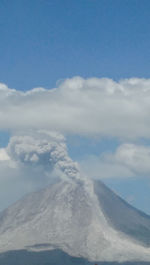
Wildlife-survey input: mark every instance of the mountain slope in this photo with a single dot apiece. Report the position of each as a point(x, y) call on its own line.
point(122, 216)
point(78, 217)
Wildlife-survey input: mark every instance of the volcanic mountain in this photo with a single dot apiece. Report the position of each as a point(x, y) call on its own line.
point(80, 218)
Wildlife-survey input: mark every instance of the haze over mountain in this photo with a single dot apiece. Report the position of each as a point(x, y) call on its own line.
point(80, 217)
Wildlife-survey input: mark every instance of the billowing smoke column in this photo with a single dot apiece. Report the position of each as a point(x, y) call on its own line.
point(47, 149)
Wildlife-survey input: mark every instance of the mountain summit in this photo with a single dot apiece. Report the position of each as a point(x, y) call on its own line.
point(82, 218)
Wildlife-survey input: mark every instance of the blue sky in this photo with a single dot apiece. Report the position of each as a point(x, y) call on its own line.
point(43, 42)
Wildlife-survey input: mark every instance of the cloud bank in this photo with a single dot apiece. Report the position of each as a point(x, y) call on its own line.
point(89, 107)
point(94, 107)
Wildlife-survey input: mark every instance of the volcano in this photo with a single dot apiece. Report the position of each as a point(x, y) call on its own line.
point(78, 221)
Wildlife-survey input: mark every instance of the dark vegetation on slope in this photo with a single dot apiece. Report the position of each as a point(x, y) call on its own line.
point(54, 257)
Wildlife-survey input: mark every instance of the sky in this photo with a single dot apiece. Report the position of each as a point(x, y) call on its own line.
point(75, 74)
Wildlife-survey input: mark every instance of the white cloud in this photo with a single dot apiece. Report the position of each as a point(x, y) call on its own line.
point(135, 157)
point(3, 155)
point(91, 107)
point(102, 167)
point(129, 160)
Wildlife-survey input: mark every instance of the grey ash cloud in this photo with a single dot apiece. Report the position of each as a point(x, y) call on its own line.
point(47, 149)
